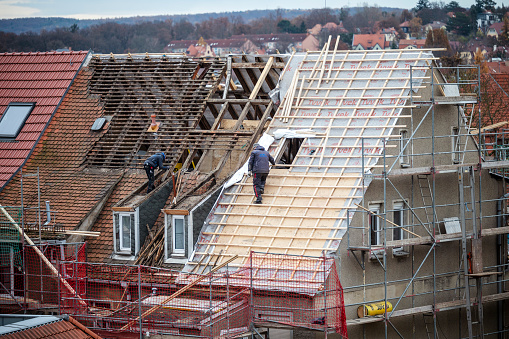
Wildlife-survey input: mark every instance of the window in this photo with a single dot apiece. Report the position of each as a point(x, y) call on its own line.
point(399, 219)
point(178, 238)
point(13, 119)
point(404, 158)
point(125, 232)
point(374, 224)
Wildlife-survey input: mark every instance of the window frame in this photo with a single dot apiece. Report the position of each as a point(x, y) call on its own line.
point(31, 106)
point(374, 220)
point(175, 250)
point(121, 232)
point(400, 207)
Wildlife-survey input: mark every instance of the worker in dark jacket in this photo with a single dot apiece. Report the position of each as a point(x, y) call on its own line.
point(150, 165)
point(258, 166)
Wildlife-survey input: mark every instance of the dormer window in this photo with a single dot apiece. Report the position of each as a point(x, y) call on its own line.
point(14, 118)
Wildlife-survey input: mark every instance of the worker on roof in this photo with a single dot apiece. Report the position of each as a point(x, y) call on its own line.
point(150, 165)
point(258, 166)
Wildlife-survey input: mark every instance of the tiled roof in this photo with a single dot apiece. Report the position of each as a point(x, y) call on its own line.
point(42, 78)
point(496, 100)
point(52, 328)
point(72, 190)
point(368, 41)
point(419, 43)
point(498, 26)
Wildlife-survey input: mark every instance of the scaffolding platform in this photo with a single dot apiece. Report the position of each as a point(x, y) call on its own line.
point(440, 307)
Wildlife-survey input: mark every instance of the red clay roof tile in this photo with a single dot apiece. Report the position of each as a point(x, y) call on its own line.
point(33, 77)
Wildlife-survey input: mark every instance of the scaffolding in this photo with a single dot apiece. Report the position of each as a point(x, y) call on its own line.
point(270, 291)
point(413, 229)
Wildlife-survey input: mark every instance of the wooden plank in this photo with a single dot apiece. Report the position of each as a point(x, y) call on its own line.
point(175, 212)
point(122, 209)
point(261, 79)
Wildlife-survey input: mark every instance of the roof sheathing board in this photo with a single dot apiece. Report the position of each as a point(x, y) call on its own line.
point(349, 99)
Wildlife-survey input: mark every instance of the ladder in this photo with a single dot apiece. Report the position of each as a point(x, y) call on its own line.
point(429, 323)
point(466, 182)
point(427, 200)
point(462, 135)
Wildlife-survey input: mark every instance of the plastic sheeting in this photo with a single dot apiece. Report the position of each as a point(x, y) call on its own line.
point(265, 141)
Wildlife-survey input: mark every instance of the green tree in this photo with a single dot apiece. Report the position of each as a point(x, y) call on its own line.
point(74, 28)
point(422, 4)
point(452, 6)
point(484, 4)
point(284, 26)
point(460, 24)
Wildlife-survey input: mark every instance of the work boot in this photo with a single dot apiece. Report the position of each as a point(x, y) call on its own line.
point(258, 202)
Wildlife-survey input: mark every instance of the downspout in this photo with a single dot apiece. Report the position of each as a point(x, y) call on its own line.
point(501, 220)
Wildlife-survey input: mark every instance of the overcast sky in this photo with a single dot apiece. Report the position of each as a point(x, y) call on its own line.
point(93, 9)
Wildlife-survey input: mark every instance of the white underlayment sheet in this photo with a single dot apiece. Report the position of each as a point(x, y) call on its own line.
point(356, 101)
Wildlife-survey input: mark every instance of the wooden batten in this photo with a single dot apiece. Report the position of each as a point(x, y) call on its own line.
point(123, 209)
point(176, 212)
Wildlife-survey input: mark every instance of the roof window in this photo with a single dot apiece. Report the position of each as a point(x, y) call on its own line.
point(98, 124)
point(14, 118)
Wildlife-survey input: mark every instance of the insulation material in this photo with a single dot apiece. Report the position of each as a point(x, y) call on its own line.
point(351, 101)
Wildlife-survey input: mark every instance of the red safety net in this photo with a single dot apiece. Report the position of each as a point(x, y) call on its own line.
point(270, 291)
point(297, 291)
point(36, 277)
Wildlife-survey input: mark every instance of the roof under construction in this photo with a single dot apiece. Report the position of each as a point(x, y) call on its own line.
point(338, 105)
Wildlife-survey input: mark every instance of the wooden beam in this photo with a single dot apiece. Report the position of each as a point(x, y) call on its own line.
point(123, 209)
point(175, 212)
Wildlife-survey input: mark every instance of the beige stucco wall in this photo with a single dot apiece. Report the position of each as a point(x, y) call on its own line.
point(447, 256)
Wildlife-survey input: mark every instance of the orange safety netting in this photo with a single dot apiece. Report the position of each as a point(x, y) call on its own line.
point(271, 290)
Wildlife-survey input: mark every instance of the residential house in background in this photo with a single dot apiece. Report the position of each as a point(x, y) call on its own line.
point(495, 29)
point(405, 27)
point(434, 25)
point(370, 42)
point(486, 19)
point(212, 47)
point(411, 43)
point(391, 35)
point(179, 46)
point(223, 47)
point(271, 42)
point(334, 28)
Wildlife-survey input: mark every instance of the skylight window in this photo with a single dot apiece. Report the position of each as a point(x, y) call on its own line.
point(14, 118)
